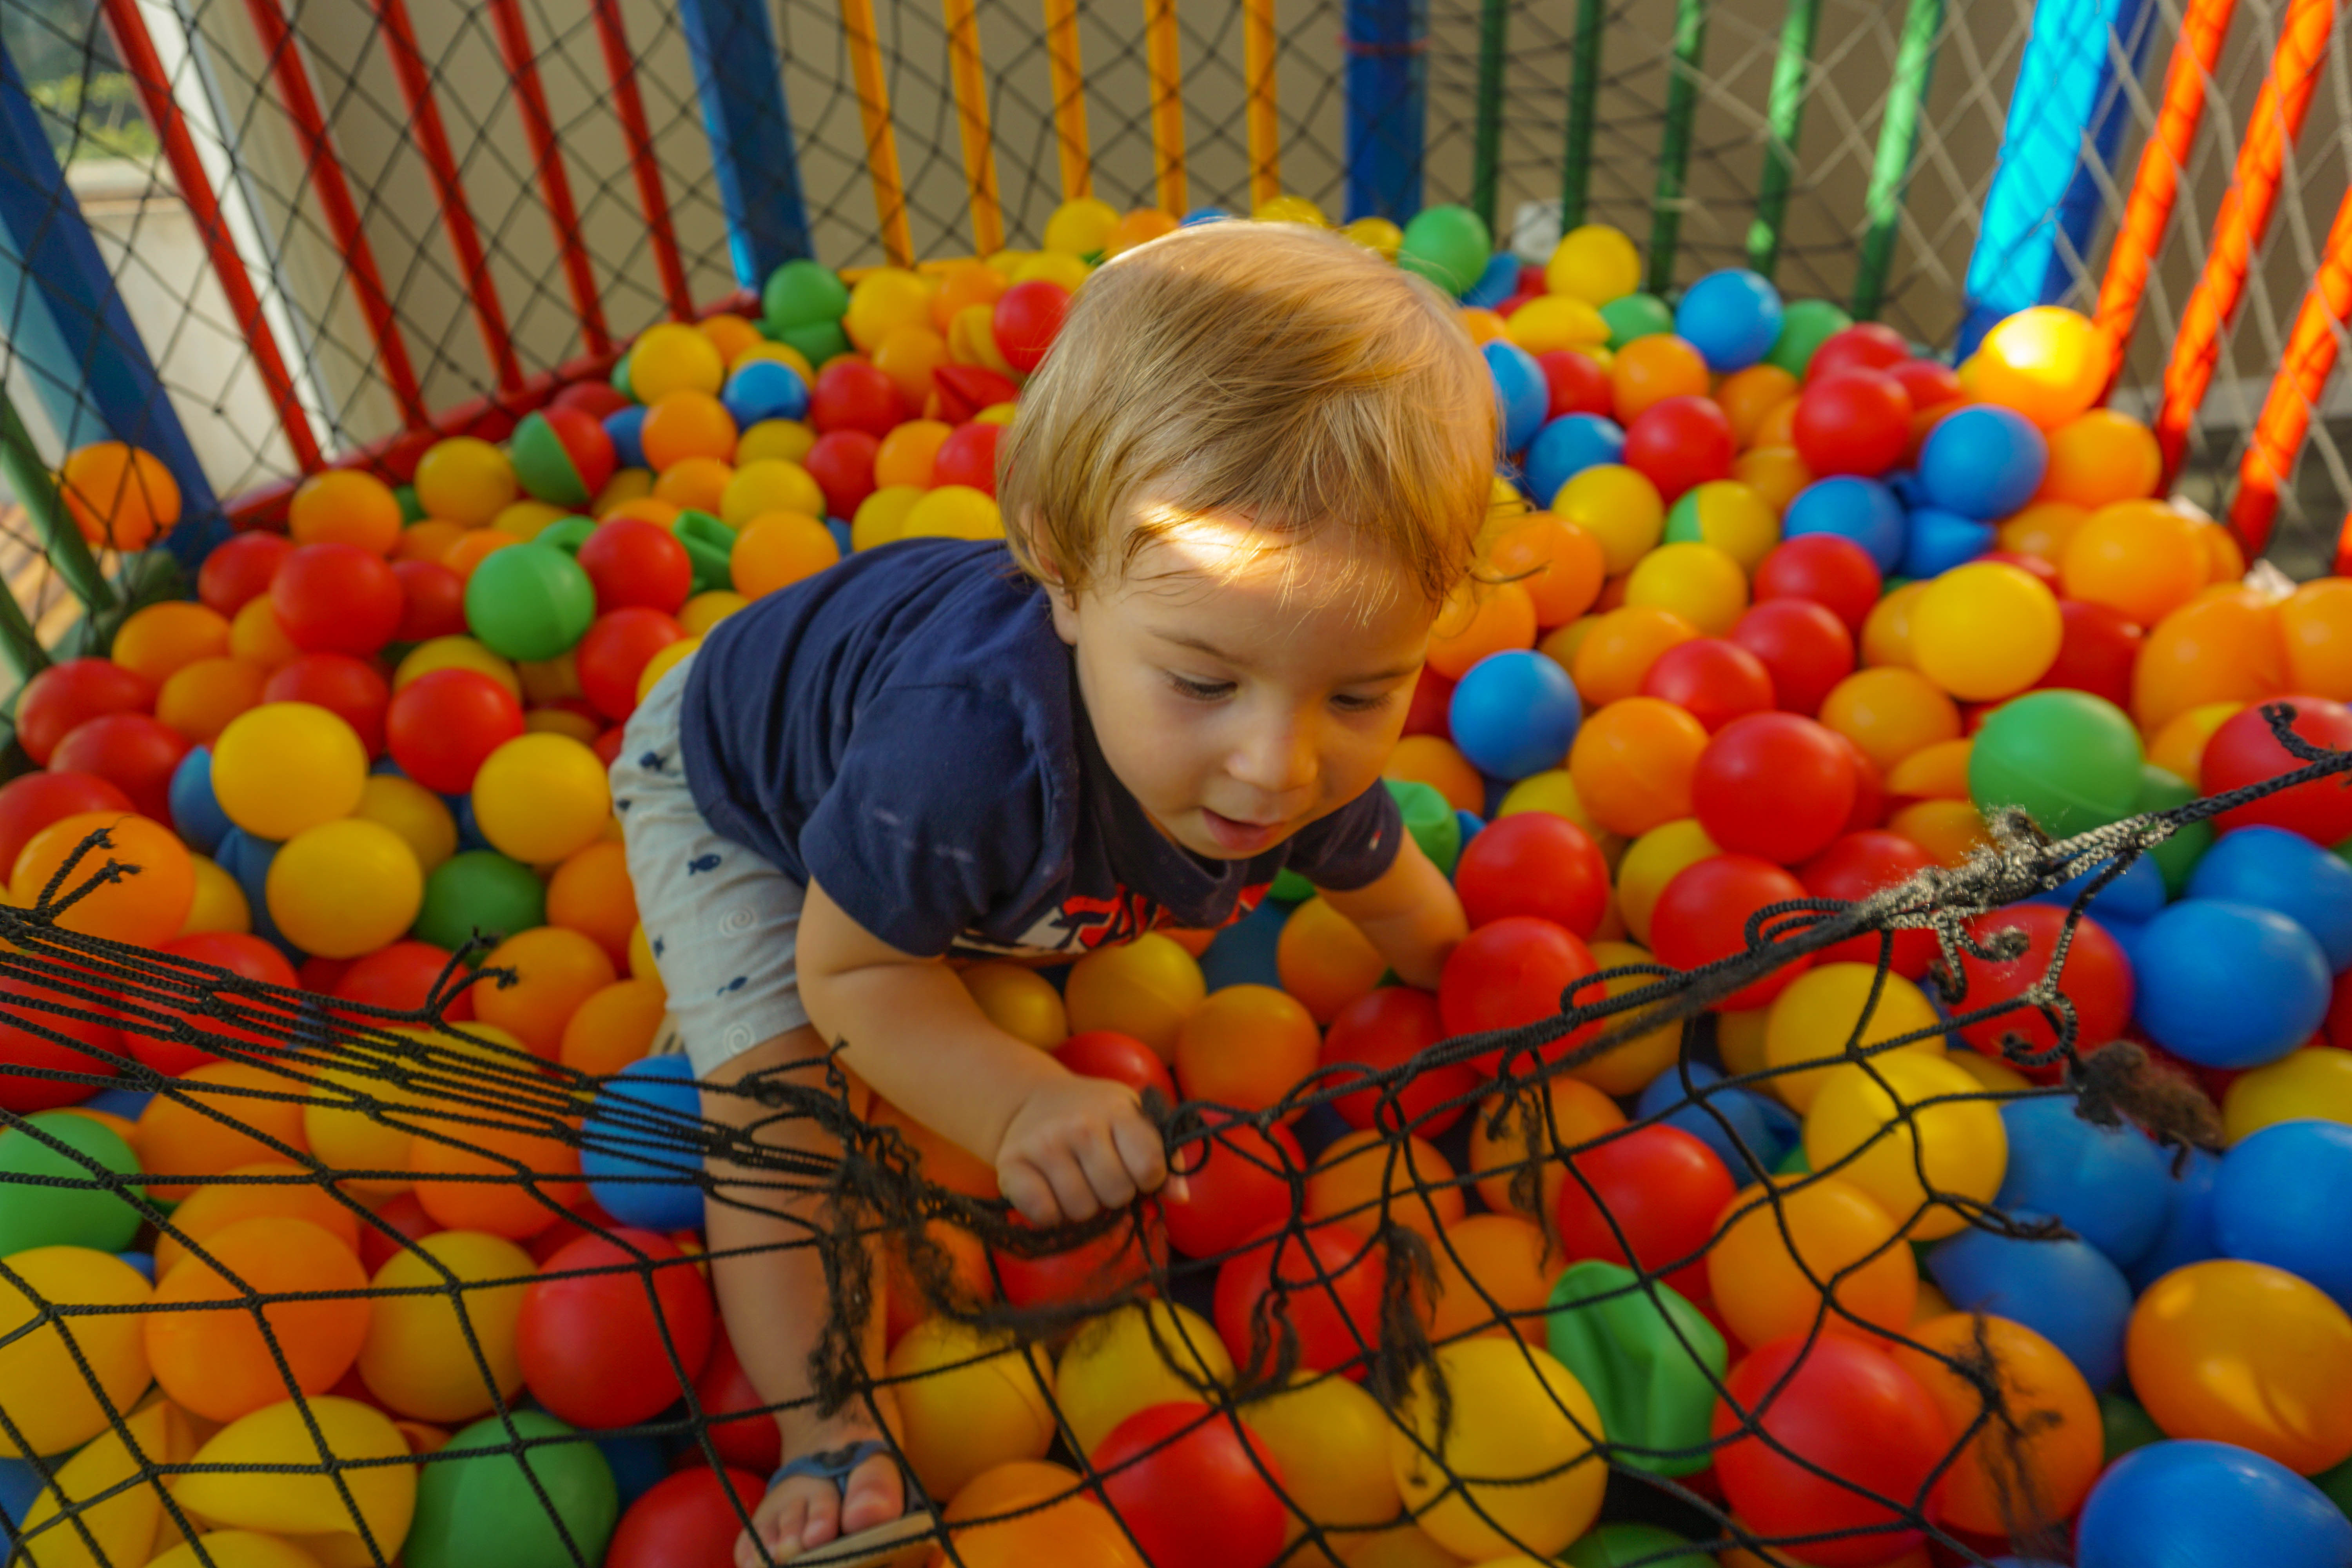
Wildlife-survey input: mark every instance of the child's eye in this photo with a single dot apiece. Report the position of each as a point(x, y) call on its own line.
point(1356, 703)
point(1201, 691)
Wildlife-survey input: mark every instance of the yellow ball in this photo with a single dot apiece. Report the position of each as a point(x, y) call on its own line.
point(1960, 1141)
point(1595, 264)
point(2314, 1082)
point(1021, 1002)
point(1146, 988)
point(285, 766)
point(774, 440)
point(466, 480)
point(1697, 581)
point(1986, 630)
point(881, 517)
point(1052, 267)
point(236, 1549)
point(1626, 1070)
point(1291, 209)
point(1113, 1369)
point(1812, 1020)
point(1330, 1441)
point(1618, 506)
point(527, 519)
point(48, 1402)
point(1081, 228)
point(1735, 520)
point(1654, 860)
point(2048, 362)
point(953, 511)
point(662, 663)
point(343, 888)
point(262, 1472)
point(1554, 790)
point(539, 798)
point(417, 1357)
point(674, 357)
point(885, 300)
point(772, 484)
point(1526, 1430)
point(219, 903)
point(415, 813)
point(455, 653)
point(963, 1409)
point(1552, 322)
point(351, 1141)
point(706, 609)
point(1377, 235)
point(113, 1496)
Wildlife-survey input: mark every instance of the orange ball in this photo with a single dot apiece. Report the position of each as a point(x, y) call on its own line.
point(1027, 1511)
point(729, 334)
point(1632, 764)
point(1890, 713)
point(1948, 830)
point(906, 454)
point(144, 910)
point(778, 549)
point(1615, 656)
point(966, 283)
point(614, 1027)
point(1538, 1131)
point(1886, 630)
point(118, 497)
point(1777, 428)
point(1480, 618)
point(1772, 1243)
point(1245, 1047)
point(1362, 1177)
point(590, 893)
point(686, 424)
point(556, 970)
point(1425, 759)
point(1775, 473)
point(2043, 528)
point(2031, 1465)
point(219, 1364)
point(287, 1195)
point(1559, 565)
point(200, 699)
point(2316, 628)
point(472, 548)
point(508, 1180)
point(345, 506)
point(1137, 226)
point(908, 354)
point(1499, 1259)
point(1746, 395)
point(2223, 647)
point(1324, 960)
point(427, 539)
point(695, 484)
point(166, 638)
point(2101, 458)
point(1651, 369)
point(2140, 557)
point(177, 1136)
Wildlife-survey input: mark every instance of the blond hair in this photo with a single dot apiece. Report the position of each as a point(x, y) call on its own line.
point(1274, 371)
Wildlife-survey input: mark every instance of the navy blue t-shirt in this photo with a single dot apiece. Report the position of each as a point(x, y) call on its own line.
point(904, 729)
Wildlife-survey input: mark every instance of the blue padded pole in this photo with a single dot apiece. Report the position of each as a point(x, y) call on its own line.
point(2065, 117)
point(741, 81)
point(1388, 106)
point(65, 323)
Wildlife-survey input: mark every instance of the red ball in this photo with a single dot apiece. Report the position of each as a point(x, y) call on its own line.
point(591, 1350)
point(1193, 1487)
point(1121, 1058)
point(2097, 653)
point(404, 1217)
point(967, 456)
point(1712, 679)
point(961, 391)
point(319, 975)
point(39, 1074)
point(134, 752)
point(1028, 316)
point(239, 953)
point(1680, 442)
point(444, 724)
point(1866, 345)
point(597, 399)
point(851, 394)
point(1775, 785)
point(2098, 979)
point(1701, 916)
point(1856, 421)
point(581, 434)
point(64, 697)
point(1855, 866)
point(353, 689)
point(1098, 1271)
point(2340, 1012)
point(1512, 971)
point(1385, 1028)
point(1929, 384)
point(1869, 789)
point(1534, 863)
point(689, 1519)
point(337, 598)
point(431, 601)
point(1849, 1442)
point(400, 978)
point(2033, 566)
point(1426, 712)
point(1663, 1187)
point(630, 562)
point(1826, 568)
point(842, 464)
point(1237, 1186)
point(615, 653)
point(607, 746)
point(1324, 1282)
point(239, 568)
point(31, 803)
point(2242, 751)
point(1806, 648)
point(1578, 385)
point(741, 1428)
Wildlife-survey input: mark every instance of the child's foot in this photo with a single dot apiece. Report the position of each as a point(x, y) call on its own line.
point(829, 1495)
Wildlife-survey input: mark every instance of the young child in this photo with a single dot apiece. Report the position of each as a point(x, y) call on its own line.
point(1237, 492)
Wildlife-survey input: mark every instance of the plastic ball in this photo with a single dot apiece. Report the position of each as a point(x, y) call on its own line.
point(1146, 988)
point(1595, 263)
point(1701, 916)
point(1985, 631)
point(287, 766)
point(1026, 319)
point(343, 888)
point(1805, 650)
point(1715, 680)
point(2099, 458)
point(1680, 442)
point(441, 726)
point(135, 753)
point(1826, 568)
point(1535, 864)
point(466, 481)
point(1781, 1247)
point(220, 1365)
point(1522, 397)
point(1805, 325)
point(529, 602)
point(160, 639)
point(1732, 317)
point(2067, 758)
point(1856, 421)
point(1559, 564)
point(2098, 979)
point(1654, 1193)
point(2275, 869)
point(419, 1357)
point(1632, 764)
point(1852, 507)
point(1730, 517)
point(2029, 1467)
point(145, 909)
point(539, 797)
point(1632, 317)
point(1514, 713)
point(555, 971)
point(1982, 462)
point(1774, 785)
point(1194, 1487)
point(2203, 1502)
point(199, 700)
point(481, 1500)
point(2108, 1185)
point(2063, 1289)
point(1819, 1012)
point(120, 497)
point(2047, 363)
point(38, 1208)
point(970, 1402)
point(1244, 1045)
point(65, 695)
point(377, 1493)
point(1619, 507)
point(1117, 1365)
point(1865, 345)
point(1651, 369)
point(2229, 986)
point(2140, 557)
point(51, 1391)
point(2244, 1352)
point(337, 598)
point(1524, 1428)
point(1447, 245)
point(2243, 752)
point(1324, 960)
point(1884, 1123)
point(591, 1348)
point(2281, 1199)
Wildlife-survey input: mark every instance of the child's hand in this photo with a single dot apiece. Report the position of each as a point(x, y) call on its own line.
point(1075, 1147)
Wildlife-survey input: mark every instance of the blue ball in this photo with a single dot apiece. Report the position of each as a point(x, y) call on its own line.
point(1515, 713)
point(840, 531)
point(2107, 1183)
point(2284, 1198)
point(638, 1465)
point(2228, 985)
point(1936, 541)
point(1242, 953)
point(384, 767)
point(1522, 396)
point(248, 859)
point(2271, 869)
point(20, 1487)
point(1498, 283)
point(637, 1147)
point(765, 389)
point(2136, 895)
point(1984, 461)
point(129, 1104)
point(1566, 447)
point(1714, 1118)
point(143, 1261)
point(469, 832)
point(626, 426)
point(2188, 1236)
point(1857, 509)
point(2066, 1291)
point(1471, 824)
point(2195, 1504)
point(1732, 318)
point(196, 812)
point(1205, 214)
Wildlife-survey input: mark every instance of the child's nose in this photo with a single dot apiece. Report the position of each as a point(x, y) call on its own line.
point(1276, 756)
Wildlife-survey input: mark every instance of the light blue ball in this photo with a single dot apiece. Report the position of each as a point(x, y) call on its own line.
point(1242, 953)
point(1206, 215)
point(1515, 713)
point(1714, 1118)
point(2195, 1504)
point(1852, 507)
point(637, 1148)
point(2136, 895)
point(1732, 318)
point(1566, 446)
point(196, 812)
point(2285, 1197)
point(1522, 396)
point(626, 426)
point(765, 389)
point(2270, 869)
point(1498, 283)
point(1936, 541)
point(2227, 984)
point(2107, 1183)
point(1984, 461)
point(2188, 1235)
point(1471, 824)
point(2066, 1291)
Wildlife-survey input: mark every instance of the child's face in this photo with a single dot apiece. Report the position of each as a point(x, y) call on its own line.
point(1233, 696)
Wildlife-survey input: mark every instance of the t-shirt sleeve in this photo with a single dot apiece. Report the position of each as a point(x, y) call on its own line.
point(938, 815)
point(1354, 845)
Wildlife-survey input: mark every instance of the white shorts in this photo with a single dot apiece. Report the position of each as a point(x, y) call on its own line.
point(721, 920)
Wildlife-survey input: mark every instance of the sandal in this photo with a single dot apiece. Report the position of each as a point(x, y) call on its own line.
point(903, 1540)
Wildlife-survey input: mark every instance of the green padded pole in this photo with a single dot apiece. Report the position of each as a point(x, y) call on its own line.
point(35, 490)
point(1673, 151)
point(1784, 116)
point(1584, 102)
point(1898, 138)
point(1494, 23)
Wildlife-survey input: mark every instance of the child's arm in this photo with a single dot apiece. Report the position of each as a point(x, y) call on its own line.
point(1064, 1146)
point(1410, 913)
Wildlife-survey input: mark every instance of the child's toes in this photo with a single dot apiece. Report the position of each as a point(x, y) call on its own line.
point(821, 1520)
point(877, 1495)
point(780, 1520)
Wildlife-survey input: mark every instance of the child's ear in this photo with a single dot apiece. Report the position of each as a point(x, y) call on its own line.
point(1048, 572)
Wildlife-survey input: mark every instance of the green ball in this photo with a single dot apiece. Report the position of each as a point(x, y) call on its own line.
point(1650, 1364)
point(2128, 1426)
point(411, 509)
point(802, 294)
point(1631, 316)
point(483, 891)
point(2178, 856)
point(2071, 760)
point(1290, 888)
point(36, 1216)
point(1794, 1163)
point(1682, 520)
point(544, 464)
point(482, 1512)
point(565, 533)
point(620, 379)
point(529, 602)
point(817, 341)
point(1617, 1545)
point(1447, 245)
point(2337, 1484)
point(1429, 817)
point(1803, 327)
